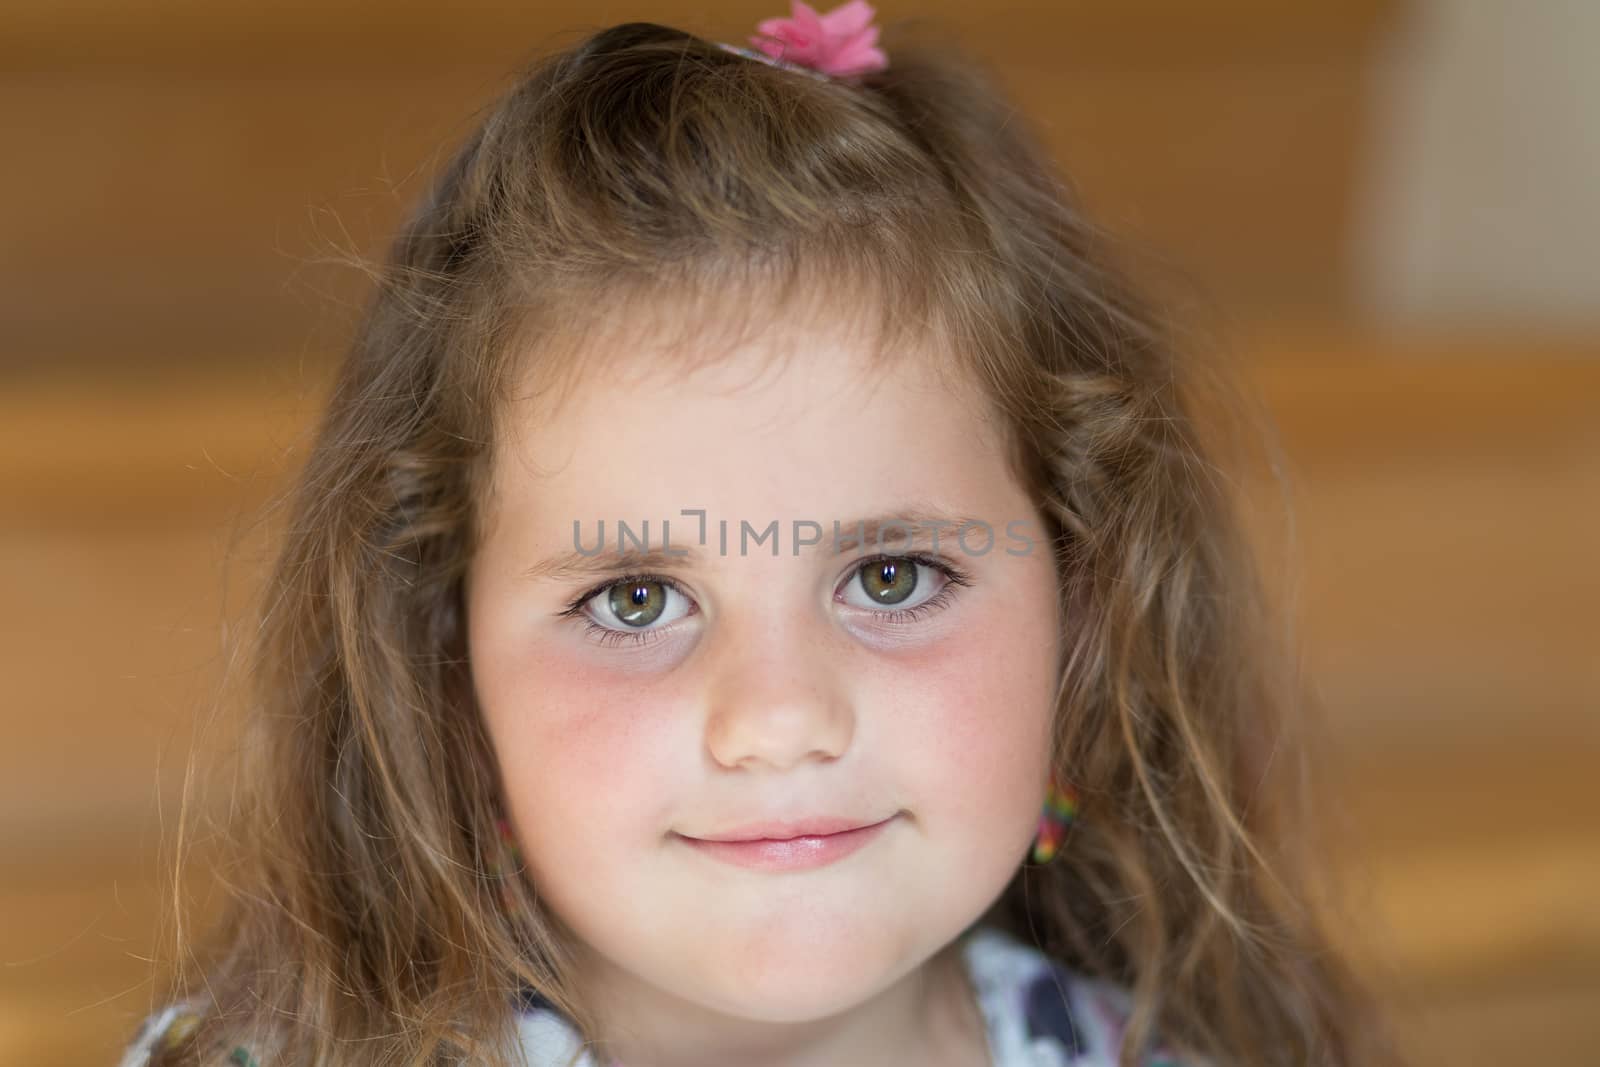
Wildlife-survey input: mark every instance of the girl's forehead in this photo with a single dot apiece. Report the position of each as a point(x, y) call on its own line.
point(720, 341)
point(803, 412)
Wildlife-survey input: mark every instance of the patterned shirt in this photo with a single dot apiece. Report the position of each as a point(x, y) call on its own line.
point(1037, 1013)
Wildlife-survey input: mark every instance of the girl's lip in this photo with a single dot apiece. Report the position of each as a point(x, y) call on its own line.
point(784, 830)
point(792, 851)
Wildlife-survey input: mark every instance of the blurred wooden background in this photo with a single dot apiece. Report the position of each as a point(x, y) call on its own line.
point(182, 178)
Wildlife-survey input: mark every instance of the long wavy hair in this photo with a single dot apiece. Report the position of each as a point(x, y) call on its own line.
point(368, 921)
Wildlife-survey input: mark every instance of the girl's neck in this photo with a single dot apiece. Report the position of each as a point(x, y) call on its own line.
point(930, 1016)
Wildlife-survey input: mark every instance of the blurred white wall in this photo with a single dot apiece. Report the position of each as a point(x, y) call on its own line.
point(1481, 207)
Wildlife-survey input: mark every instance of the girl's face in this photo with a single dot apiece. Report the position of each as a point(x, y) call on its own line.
point(735, 687)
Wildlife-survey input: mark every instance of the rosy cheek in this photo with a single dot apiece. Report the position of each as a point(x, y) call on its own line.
point(981, 722)
point(586, 746)
point(579, 720)
point(987, 690)
point(976, 709)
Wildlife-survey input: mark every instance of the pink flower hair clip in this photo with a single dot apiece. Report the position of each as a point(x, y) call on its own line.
point(840, 44)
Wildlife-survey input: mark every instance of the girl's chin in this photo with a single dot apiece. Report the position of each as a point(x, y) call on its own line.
point(791, 998)
point(780, 981)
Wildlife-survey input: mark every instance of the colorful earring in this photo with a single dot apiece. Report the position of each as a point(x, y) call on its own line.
point(1060, 809)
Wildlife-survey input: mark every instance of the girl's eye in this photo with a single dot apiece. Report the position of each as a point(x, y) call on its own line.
point(638, 603)
point(636, 608)
point(902, 588)
point(889, 581)
point(640, 608)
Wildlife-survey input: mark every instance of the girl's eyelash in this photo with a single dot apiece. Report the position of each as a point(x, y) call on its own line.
point(575, 605)
point(606, 635)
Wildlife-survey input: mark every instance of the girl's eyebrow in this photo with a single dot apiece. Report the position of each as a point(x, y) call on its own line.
point(904, 531)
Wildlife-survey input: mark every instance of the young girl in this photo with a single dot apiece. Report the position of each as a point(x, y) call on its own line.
point(759, 595)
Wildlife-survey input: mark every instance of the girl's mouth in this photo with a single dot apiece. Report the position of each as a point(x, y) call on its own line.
point(797, 846)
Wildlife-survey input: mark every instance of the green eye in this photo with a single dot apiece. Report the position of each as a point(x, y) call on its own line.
point(888, 581)
point(638, 603)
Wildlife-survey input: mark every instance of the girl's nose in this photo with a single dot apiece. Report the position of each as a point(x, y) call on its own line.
point(775, 699)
